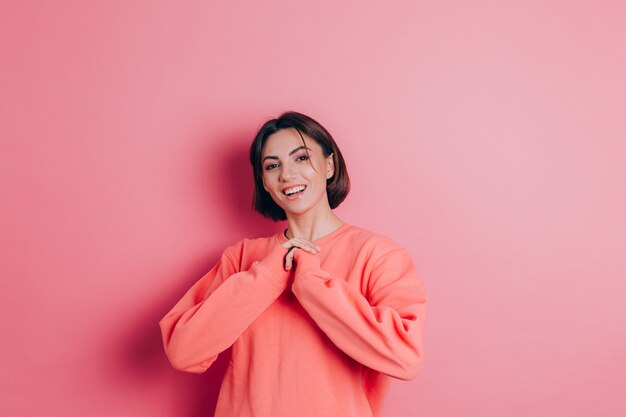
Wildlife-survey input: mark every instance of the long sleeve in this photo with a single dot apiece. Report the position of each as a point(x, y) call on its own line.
point(218, 308)
point(383, 331)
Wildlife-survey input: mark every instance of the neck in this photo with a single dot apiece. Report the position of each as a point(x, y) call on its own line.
point(313, 227)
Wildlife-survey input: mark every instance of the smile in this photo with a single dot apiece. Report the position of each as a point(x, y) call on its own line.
point(294, 190)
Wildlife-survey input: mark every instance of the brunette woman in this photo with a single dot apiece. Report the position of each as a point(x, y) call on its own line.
point(320, 314)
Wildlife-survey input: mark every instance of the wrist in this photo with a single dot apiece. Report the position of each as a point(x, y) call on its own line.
point(274, 263)
point(306, 261)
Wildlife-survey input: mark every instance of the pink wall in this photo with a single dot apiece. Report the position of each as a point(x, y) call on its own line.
point(487, 137)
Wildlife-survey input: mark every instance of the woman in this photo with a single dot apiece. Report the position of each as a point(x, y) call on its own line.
point(318, 316)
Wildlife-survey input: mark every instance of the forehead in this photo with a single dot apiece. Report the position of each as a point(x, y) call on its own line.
point(285, 140)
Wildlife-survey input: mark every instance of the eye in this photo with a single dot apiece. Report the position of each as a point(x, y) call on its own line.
point(269, 167)
point(302, 158)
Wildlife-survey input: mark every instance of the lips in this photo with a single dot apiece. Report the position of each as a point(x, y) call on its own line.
point(293, 190)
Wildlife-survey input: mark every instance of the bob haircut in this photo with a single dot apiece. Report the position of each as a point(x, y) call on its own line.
point(337, 186)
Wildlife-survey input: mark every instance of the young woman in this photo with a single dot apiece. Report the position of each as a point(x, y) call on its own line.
point(318, 315)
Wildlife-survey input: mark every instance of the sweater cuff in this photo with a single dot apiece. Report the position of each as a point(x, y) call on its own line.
point(307, 262)
point(274, 264)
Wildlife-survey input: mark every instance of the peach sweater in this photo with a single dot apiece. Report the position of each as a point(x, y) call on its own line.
point(319, 341)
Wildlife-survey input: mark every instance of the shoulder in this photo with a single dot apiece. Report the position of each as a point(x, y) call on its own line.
point(382, 260)
point(375, 244)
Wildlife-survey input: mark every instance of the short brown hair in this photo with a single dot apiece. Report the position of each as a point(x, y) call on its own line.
point(337, 186)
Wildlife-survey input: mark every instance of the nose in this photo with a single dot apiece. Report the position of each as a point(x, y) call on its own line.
point(286, 172)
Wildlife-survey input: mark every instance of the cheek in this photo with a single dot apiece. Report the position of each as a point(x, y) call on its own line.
point(319, 173)
point(269, 181)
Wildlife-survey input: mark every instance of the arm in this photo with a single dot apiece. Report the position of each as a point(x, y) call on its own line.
point(383, 331)
point(219, 307)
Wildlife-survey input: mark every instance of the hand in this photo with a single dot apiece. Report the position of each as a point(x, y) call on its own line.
point(294, 244)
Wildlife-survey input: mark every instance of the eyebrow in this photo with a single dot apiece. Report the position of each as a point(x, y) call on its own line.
point(290, 153)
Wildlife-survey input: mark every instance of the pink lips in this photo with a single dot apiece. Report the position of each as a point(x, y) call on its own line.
point(296, 195)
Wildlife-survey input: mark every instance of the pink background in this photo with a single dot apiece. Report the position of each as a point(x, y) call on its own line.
point(487, 137)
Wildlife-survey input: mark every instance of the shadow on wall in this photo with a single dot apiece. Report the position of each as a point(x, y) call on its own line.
point(145, 358)
point(230, 179)
point(234, 185)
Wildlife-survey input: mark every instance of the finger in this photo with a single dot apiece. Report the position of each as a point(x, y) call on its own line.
point(287, 265)
point(301, 243)
point(289, 259)
point(295, 244)
point(306, 245)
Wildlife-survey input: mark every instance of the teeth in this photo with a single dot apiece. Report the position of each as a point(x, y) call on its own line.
point(290, 191)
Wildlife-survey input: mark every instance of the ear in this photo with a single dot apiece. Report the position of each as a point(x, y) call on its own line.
point(330, 166)
point(263, 180)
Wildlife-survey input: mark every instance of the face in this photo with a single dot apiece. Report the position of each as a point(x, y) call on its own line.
point(295, 173)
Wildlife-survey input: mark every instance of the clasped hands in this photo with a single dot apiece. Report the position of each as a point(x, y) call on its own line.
point(293, 245)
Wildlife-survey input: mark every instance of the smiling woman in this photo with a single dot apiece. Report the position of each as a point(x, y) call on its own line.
point(295, 175)
point(289, 132)
point(319, 316)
